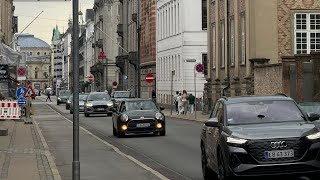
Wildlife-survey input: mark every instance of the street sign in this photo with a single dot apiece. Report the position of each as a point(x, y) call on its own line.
point(200, 68)
point(4, 72)
point(102, 55)
point(20, 92)
point(114, 83)
point(149, 78)
point(29, 92)
point(21, 71)
point(22, 101)
point(90, 78)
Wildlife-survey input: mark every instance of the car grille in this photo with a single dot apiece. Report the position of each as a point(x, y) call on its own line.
point(257, 148)
point(133, 123)
point(100, 106)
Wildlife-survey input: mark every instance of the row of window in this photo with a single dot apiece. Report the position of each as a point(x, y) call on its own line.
point(168, 64)
point(307, 32)
point(38, 53)
point(169, 19)
point(221, 40)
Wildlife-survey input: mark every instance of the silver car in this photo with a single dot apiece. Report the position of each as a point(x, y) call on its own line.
point(82, 99)
point(98, 103)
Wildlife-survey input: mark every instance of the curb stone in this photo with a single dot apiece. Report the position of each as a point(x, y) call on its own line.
point(47, 153)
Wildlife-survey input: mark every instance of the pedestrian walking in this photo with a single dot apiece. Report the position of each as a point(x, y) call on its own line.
point(180, 104)
point(48, 97)
point(185, 101)
point(191, 100)
point(175, 101)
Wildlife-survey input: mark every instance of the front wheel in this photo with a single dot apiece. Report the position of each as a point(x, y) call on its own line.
point(163, 132)
point(208, 174)
point(114, 130)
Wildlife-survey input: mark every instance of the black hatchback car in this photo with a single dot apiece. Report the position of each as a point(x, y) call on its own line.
point(138, 116)
point(260, 136)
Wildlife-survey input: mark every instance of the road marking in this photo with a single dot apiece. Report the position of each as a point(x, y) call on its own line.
point(52, 164)
point(117, 150)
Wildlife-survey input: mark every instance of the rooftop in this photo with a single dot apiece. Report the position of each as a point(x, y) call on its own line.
point(29, 41)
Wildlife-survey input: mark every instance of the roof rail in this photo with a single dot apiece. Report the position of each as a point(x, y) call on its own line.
point(281, 94)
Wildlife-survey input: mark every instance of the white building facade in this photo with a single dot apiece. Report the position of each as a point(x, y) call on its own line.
point(181, 44)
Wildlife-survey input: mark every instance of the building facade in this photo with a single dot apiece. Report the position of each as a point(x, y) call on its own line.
point(66, 52)
point(38, 60)
point(57, 63)
point(6, 22)
point(181, 44)
point(260, 32)
point(106, 19)
point(148, 44)
point(126, 61)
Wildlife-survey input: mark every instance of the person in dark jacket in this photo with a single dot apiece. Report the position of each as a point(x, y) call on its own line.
point(191, 100)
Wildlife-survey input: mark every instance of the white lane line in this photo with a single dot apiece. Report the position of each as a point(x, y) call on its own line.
point(117, 150)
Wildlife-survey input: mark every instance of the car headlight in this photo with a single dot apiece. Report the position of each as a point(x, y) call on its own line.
point(59, 99)
point(314, 136)
point(89, 104)
point(124, 117)
point(159, 116)
point(109, 104)
point(238, 141)
point(69, 101)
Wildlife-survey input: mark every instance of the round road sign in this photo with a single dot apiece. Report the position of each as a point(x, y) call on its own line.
point(199, 68)
point(90, 78)
point(149, 78)
point(114, 83)
point(21, 71)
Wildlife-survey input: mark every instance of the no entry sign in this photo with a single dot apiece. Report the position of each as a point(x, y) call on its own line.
point(149, 78)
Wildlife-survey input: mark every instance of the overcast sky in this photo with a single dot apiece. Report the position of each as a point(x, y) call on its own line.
point(54, 13)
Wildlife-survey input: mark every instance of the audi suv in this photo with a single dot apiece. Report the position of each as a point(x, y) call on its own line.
point(260, 136)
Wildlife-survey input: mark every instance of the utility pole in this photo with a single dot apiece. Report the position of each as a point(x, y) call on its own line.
point(138, 56)
point(75, 38)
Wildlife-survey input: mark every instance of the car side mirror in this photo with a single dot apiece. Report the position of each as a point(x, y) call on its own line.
point(314, 117)
point(161, 108)
point(212, 122)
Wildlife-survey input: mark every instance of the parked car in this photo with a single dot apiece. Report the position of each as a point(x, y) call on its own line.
point(118, 96)
point(138, 116)
point(63, 96)
point(69, 101)
point(98, 103)
point(259, 136)
point(311, 107)
point(82, 99)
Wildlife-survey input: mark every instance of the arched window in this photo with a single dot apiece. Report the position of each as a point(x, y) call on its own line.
point(36, 72)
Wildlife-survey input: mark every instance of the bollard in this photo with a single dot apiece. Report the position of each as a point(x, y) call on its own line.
point(28, 113)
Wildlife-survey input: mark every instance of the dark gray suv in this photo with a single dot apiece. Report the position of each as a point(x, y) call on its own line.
point(260, 136)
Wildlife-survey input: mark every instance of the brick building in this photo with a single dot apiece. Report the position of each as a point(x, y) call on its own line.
point(147, 45)
point(260, 32)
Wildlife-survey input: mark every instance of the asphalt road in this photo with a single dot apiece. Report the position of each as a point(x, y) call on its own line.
point(176, 155)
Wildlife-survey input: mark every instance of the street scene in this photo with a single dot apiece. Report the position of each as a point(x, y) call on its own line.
point(159, 89)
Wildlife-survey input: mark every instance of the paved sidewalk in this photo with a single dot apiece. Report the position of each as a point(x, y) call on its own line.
point(24, 154)
point(199, 116)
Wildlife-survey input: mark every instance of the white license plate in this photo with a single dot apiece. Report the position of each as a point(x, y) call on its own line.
point(143, 125)
point(100, 109)
point(279, 154)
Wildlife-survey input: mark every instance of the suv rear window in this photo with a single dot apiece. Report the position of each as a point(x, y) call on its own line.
point(269, 111)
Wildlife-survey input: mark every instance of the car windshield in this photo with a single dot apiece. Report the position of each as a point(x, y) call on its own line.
point(64, 93)
point(83, 97)
point(311, 107)
point(121, 94)
point(99, 97)
point(140, 105)
point(263, 112)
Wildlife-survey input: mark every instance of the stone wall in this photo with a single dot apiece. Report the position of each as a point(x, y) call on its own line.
point(268, 79)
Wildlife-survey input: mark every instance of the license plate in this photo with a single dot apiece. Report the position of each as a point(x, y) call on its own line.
point(279, 154)
point(143, 125)
point(100, 109)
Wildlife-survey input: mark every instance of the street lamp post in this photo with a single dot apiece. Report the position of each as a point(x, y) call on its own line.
point(195, 86)
point(172, 74)
point(75, 37)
